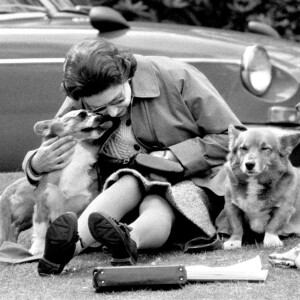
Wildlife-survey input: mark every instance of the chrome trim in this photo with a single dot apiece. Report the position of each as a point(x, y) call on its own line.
point(24, 61)
point(23, 16)
point(282, 114)
point(20, 61)
point(210, 60)
point(40, 31)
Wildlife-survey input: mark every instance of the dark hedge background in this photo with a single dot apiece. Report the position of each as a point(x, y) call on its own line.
point(282, 15)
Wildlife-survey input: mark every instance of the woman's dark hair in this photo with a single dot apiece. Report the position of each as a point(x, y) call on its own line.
point(94, 65)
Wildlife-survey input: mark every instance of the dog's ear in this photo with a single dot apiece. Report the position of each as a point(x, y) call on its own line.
point(288, 142)
point(233, 133)
point(298, 106)
point(42, 127)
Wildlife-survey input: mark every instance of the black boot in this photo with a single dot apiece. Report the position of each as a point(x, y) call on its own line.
point(115, 237)
point(61, 238)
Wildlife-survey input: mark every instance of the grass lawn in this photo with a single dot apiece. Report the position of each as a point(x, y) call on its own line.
point(23, 281)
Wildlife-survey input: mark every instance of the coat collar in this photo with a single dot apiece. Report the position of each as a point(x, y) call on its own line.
point(144, 83)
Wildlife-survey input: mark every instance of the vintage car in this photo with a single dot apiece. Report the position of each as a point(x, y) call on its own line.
point(257, 75)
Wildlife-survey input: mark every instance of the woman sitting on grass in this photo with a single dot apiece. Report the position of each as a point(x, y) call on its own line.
point(165, 108)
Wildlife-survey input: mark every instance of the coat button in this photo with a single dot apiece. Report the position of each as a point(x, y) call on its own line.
point(128, 122)
point(136, 147)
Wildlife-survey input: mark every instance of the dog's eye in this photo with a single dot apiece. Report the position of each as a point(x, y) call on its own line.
point(82, 114)
point(266, 148)
point(243, 148)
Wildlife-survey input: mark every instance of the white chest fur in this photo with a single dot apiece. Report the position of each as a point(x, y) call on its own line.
point(75, 178)
point(253, 206)
point(250, 202)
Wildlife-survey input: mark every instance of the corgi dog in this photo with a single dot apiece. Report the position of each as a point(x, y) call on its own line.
point(262, 187)
point(69, 189)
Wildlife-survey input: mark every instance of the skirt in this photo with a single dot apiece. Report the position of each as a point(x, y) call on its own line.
point(189, 200)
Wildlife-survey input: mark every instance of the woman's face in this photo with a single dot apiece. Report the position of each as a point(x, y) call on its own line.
point(114, 101)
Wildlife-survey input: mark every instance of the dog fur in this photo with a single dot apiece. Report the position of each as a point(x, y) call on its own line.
point(262, 187)
point(68, 189)
point(16, 209)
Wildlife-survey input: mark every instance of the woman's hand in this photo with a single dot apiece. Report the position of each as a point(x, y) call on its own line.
point(53, 154)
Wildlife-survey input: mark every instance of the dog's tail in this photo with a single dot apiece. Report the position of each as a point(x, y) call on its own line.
point(16, 210)
point(5, 215)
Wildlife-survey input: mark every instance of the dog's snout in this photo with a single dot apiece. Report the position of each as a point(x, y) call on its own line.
point(99, 118)
point(103, 121)
point(250, 165)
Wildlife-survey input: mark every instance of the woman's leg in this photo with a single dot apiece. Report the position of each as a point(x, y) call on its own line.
point(61, 237)
point(116, 201)
point(151, 229)
point(153, 226)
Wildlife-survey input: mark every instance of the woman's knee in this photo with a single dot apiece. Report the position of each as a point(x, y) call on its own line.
point(130, 182)
point(159, 205)
point(119, 198)
point(126, 186)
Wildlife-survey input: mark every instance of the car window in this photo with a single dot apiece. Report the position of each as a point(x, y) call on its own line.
point(62, 4)
point(16, 6)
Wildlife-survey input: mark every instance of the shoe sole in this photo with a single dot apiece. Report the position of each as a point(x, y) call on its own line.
point(65, 221)
point(62, 227)
point(105, 222)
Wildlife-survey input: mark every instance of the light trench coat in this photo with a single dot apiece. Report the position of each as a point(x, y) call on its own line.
point(175, 107)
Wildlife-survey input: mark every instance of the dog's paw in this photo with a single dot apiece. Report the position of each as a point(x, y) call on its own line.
point(228, 245)
point(272, 240)
point(37, 247)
